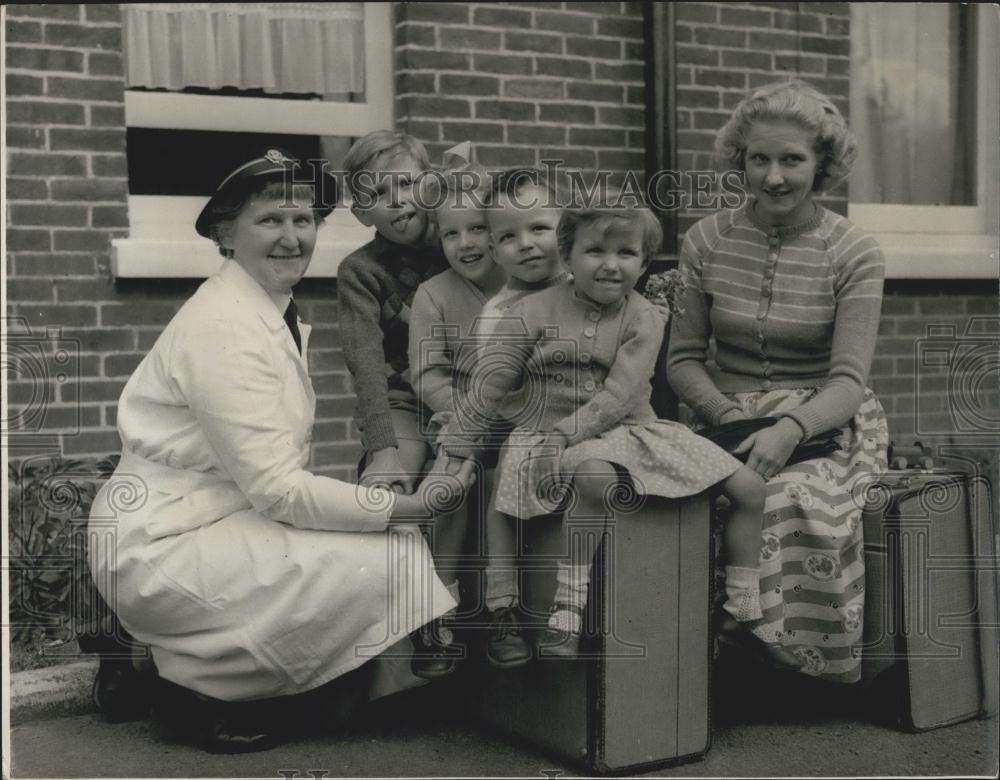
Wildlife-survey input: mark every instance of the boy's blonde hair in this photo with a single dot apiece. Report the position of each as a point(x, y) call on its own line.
point(613, 210)
point(800, 103)
point(361, 156)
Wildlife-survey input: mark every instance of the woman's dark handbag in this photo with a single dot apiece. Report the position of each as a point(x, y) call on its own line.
point(729, 435)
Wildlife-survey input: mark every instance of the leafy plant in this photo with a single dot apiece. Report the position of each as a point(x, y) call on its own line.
point(51, 591)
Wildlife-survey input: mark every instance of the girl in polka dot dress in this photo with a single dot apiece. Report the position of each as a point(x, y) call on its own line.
point(585, 351)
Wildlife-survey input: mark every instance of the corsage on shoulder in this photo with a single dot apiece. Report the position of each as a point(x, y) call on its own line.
point(666, 291)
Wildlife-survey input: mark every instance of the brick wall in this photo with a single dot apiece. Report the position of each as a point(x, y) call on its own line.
point(524, 81)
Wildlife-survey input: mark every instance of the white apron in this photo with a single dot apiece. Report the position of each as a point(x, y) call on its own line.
point(248, 576)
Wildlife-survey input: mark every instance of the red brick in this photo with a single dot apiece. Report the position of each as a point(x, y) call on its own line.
point(838, 67)
point(710, 120)
point(331, 384)
point(63, 12)
point(454, 38)
point(697, 55)
point(827, 9)
point(502, 17)
point(773, 41)
point(530, 41)
point(819, 45)
point(341, 453)
point(744, 17)
point(501, 63)
point(635, 50)
point(621, 27)
point(603, 9)
point(798, 63)
point(19, 84)
point(571, 157)
point(835, 26)
point(35, 58)
point(83, 290)
point(417, 35)
point(454, 13)
point(109, 165)
point(683, 33)
point(567, 114)
point(145, 313)
point(21, 290)
point(26, 189)
point(42, 315)
point(109, 216)
point(425, 131)
point(697, 12)
point(695, 141)
point(567, 68)
point(469, 85)
point(758, 60)
point(728, 79)
point(592, 136)
point(23, 32)
point(44, 113)
point(596, 93)
point(596, 48)
point(713, 36)
point(89, 189)
point(517, 111)
point(422, 59)
point(533, 88)
point(698, 98)
point(91, 443)
point(335, 406)
point(48, 214)
point(103, 12)
point(101, 339)
point(110, 90)
point(684, 75)
point(330, 432)
point(477, 132)
point(635, 95)
point(800, 23)
point(23, 240)
point(629, 117)
point(506, 156)
point(52, 265)
point(619, 159)
point(627, 72)
point(71, 418)
point(107, 116)
point(536, 135)
point(87, 140)
point(105, 64)
point(84, 37)
point(566, 22)
point(437, 107)
point(122, 364)
point(636, 139)
point(80, 240)
point(26, 137)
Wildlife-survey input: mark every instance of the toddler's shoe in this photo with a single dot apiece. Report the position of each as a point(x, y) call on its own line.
point(506, 647)
point(739, 636)
point(435, 653)
point(561, 637)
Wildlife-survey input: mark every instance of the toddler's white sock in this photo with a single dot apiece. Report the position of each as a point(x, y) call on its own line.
point(571, 589)
point(743, 593)
point(501, 588)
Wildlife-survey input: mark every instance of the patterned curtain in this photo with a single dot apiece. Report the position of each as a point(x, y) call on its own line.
point(313, 48)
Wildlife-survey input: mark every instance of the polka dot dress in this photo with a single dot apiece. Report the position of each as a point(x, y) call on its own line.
point(662, 458)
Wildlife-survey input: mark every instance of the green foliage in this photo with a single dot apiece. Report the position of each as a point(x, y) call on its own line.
point(51, 592)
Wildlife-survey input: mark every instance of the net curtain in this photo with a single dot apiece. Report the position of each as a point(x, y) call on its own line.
point(278, 47)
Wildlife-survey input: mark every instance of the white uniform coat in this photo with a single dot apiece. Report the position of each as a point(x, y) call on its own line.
point(248, 576)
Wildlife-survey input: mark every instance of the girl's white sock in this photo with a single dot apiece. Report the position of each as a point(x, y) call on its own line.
point(453, 591)
point(743, 593)
point(501, 588)
point(571, 589)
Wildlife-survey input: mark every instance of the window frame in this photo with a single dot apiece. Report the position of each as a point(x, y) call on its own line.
point(950, 242)
point(162, 240)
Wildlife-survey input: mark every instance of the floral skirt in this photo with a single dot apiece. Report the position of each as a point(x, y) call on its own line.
point(662, 458)
point(812, 565)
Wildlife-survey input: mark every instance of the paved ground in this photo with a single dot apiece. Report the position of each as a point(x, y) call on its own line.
point(794, 733)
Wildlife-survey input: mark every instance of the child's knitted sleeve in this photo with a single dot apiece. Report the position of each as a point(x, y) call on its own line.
point(359, 305)
point(627, 382)
point(689, 336)
point(431, 362)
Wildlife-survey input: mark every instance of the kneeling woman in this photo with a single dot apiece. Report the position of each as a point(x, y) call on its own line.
point(249, 577)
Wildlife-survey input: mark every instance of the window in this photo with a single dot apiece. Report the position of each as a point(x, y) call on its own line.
point(209, 82)
point(924, 108)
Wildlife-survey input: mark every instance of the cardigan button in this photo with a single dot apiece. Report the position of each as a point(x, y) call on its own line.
point(589, 333)
point(594, 316)
point(585, 358)
point(588, 386)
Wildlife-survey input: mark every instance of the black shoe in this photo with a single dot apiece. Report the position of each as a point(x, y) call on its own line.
point(737, 636)
point(506, 647)
point(215, 726)
point(121, 692)
point(435, 653)
point(558, 642)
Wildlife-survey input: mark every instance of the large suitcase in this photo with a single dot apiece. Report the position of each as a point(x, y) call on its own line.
point(639, 698)
point(930, 630)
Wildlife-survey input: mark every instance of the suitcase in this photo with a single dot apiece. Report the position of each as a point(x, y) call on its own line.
point(930, 627)
point(639, 698)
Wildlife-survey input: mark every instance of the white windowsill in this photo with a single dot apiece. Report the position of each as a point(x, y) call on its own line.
point(930, 256)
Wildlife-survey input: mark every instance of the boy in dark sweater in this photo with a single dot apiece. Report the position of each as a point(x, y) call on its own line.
point(375, 286)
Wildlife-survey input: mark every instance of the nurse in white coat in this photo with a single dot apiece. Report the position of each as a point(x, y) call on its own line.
point(248, 576)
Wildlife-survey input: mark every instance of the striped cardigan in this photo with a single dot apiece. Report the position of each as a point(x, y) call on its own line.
point(789, 307)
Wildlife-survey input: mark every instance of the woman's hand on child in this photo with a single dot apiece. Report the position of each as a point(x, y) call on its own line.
point(386, 471)
point(445, 485)
point(771, 447)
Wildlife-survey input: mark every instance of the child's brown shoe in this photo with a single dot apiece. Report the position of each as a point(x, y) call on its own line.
point(506, 647)
point(559, 639)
